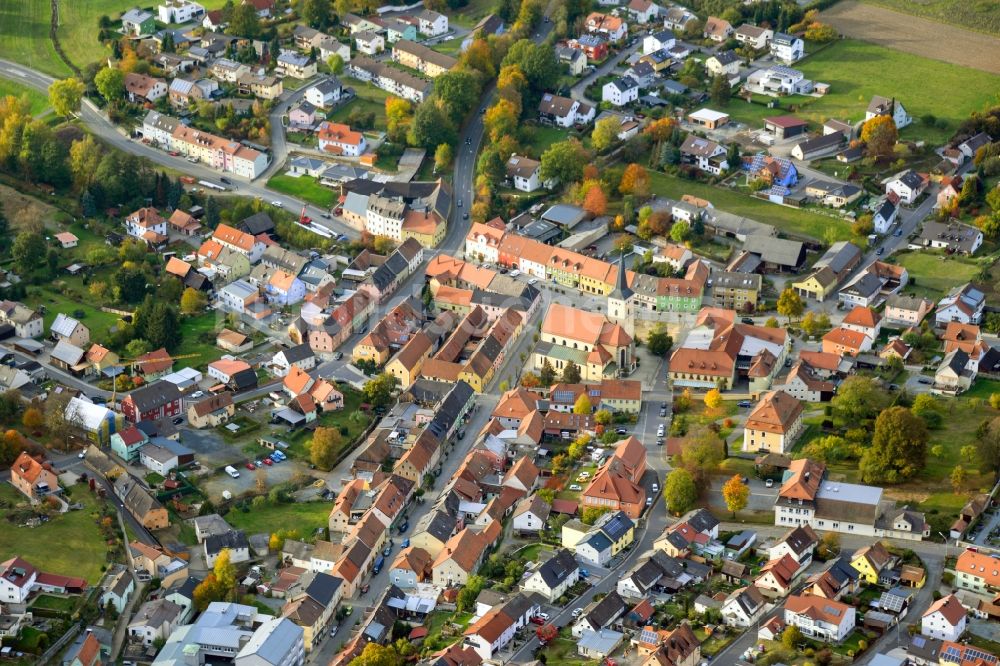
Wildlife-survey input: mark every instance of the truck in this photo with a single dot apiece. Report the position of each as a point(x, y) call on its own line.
point(379, 561)
point(212, 186)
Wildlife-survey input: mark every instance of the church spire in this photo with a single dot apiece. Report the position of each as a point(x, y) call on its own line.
point(621, 290)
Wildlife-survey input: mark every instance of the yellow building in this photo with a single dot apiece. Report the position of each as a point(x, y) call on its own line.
point(870, 561)
point(775, 423)
point(406, 364)
point(573, 532)
point(421, 58)
point(427, 228)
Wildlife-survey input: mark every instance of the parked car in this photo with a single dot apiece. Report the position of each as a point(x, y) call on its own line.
point(744, 404)
point(577, 612)
point(769, 483)
point(575, 487)
point(251, 466)
point(338, 356)
point(268, 462)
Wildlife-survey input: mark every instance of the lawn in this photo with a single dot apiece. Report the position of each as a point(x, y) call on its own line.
point(543, 137)
point(199, 338)
point(367, 98)
point(77, 529)
point(304, 187)
point(562, 652)
point(857, 70)
point(473, 12)
point(52, 602)
point(791, 220)
point(450, 47)
point(56, 300)
point(305, 517)
point(936, 272)
point(980, 15)
point(24, 35)
point(37, 100)
point(299, 440)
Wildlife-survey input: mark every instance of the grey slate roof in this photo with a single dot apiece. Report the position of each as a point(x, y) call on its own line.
point(558, 568)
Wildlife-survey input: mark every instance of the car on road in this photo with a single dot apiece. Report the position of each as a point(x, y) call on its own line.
point(744, 404)
point(251, 466)
point(459, 203)
point(177, 420)
point(621, 431)
point(575, 487)
point(82, 455)
point(277, 204)
point(745, 480)
point(544, 616)
point(197, 394)
point(656, 487)
point(537, 620)
point(661, 430)
point(897, 233)
point(925, 380)
point(325, 215)
point(769, 483)
point(338, 356)
point(225, 180)
point(387, 550)
point(268, 462)
point(747, 320)
point(465, 216)
point(468, 140)
point(659, 441)
point(533, 282)
point(577, 612)
point(879, 252)
point(663, 405)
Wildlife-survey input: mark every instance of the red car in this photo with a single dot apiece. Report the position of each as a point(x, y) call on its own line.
point(251, 466)
point(268, 462)
point(537, 620)
point(305, 220)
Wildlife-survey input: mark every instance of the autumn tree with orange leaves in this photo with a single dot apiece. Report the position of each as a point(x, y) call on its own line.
point(736, 494)
point(635, 181)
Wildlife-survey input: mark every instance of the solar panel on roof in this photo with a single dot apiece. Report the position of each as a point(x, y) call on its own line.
point(648, 636)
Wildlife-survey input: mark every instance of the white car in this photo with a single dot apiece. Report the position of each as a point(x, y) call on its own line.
point(575, 486)
point(277, 204)
point(533, 281)
point(197, 394)
point(577, 612)
point(514, 273)
point(544, 616)
point(656, 487)
point(769, 483)
point(584, 475)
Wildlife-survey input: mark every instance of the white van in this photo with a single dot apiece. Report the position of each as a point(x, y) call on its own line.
point(232, 471)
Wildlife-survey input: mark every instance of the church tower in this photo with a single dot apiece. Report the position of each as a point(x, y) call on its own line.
point(620, 301)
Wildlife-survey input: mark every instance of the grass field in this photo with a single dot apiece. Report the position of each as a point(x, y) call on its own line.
point(858, 70)
point(980, 15)
point(469, 15)
point(304, 517)
point(56, 300)
point(299, 440)
point(934, 273)
point(367, 98)
point(193, 329)
point(39, 545)
point(304, 187)
point(802, 222)
point(24, 35)
point(450, 47)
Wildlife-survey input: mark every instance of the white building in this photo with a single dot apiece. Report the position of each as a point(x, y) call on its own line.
point(553, 578)
point(907, 185)
point(885, 106)
point(743, 607)
point(524, 172)
point(621, 91)
point(824, 619)
point(884, 216)
point(964, 304)
point(944, 620)
point(787, 48)
point(325, 94)
point(661, 40)
point(235, 541)
point(431, 23)
point(179, 11)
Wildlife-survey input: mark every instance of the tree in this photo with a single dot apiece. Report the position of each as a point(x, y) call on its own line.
point(790, 304)
point(316, 13)
point(898, 447)
point(701, 454)
point(571, 373)
point(398, 115)
point(679, 491)
point(791, 637)
point(136, 348)
point(466, 599)
point(564, 161)
point(590, 514)
point(325, 447)
point(926, 407)
point(225, 573)
point(713, 399)
point(431, 127)
point(65, 96)
point(661, 129)
point(32, 419)
point(603, 417)
point(193, 301)
point(375, 654)
point(245, 22)
point(582, 405)
point(863, 225)
point(501, 120)
point(880, 135)
point(206, 592)
point(858, 398)
point(736, 493)
point(988, 445)
point(336, 64)
point(595, 201)
point(605, 133)
point(659, 341)
point(820, 33)
point(458, 92)
point(110, 82)
point(635, 181)
point(547, 375)
point(442, 157)
point(378, 390)
point(680, 232)
point(27, 251)
point(959, 477)
point(162, 328)
point(720, 91)
point(537, 62)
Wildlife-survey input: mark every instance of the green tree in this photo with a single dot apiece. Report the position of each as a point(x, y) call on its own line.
point(336, 64)
point(325, 447)
point(603, 417)
point(431, 127)
point(378, 390)
point(27, 251)
point(245, 22)
point(110, 82)
point(988, 445)
point(790, 304)
point(458, 92)
point(442, 156)
point(926, 407)
point(659, 341)
point(590, 514)
point(720, 91)
point(701, 454)
point(571, 373)
point(858, 398)
point(376, 654)
point(466, 599)
point(547, 375)
point(898, 449)
point(959, 477)
point(679, 491)
point(316, 13)
point(564, 161)
point(65, 96)
point(162, 327)
point(680, 231)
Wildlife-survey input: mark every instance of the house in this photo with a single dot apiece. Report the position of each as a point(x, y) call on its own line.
point(300, 356)
point(590, 340)
point(369, 42)
point(643, 11)
point(575, 60)
point(138, 22)
point(554, 577)
point(34, 477)
point(233, 342)
point(152, 402)
point(963, 304)
point(612, 27)
point(27, 323)
point(955, 374)
point(799, 543)
point(705, 154)
point(829, 271)
point(772, 170)
point(462, 554)
point(600, 615)
point(977, 572)
point(785, 127)
point(743, 607)
point(945, 619)
point(211, 411)
point(531, 514)
point(620, 91)
point(494, 630)
point(833, 194)
point(717, 29)
point(235, 541)
point(814, 147)
point(884, 106)
point(884, 216)
point(563, 111)
point(126, 443)
point(774, 424)
point(863, 320)
point(431, 23)
point(146, 224)
point(424, 59)
point(804, 383)
point(154, 621)
point(94, 422)
point(840, 578)
point(68, 329)
point(140, 88)
point(971, 146)
point(523, 172)
point(908, 185)
point(871, 561)
point(723, 63)
point(325, 94)
point(968, 516)
point(777, 575)
point(295, 65)
point(905, 311)
point(753, 36)
point(787, 48)
point(823, 619)
point(953, 237)
point(707, 118)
